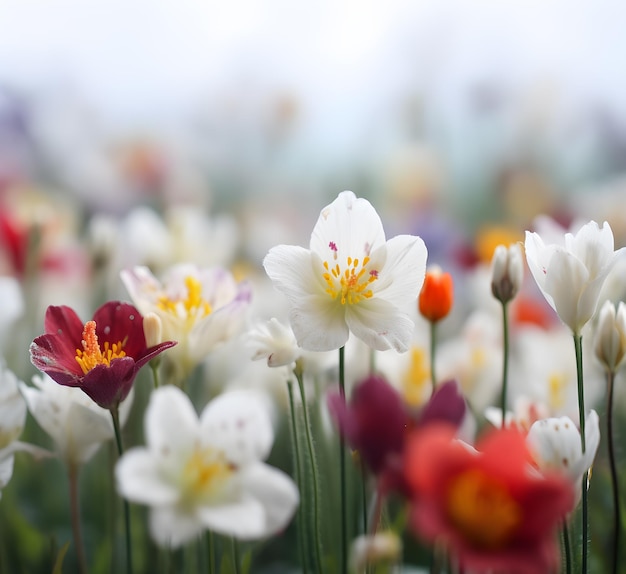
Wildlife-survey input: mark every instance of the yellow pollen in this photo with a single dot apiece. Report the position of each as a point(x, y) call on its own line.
point(482, 509)
point(204, 474)
point(349, 285)
point(556, 388)
point(415, 378)
point(91, 354)
point(193, 306)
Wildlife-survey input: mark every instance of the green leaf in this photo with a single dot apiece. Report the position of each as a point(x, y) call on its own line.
point(58, 563)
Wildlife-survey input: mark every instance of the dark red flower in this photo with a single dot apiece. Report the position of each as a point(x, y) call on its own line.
point(489, 507)
point(101, 357)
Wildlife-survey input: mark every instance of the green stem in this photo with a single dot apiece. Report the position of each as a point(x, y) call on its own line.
point(342, 469)
point(578, 347)
point(210, 545)
point(567, 548)
point(433, 348)
point(298, 474)
point(235, 550)
point(505, 360)
point(314, 472)
point(154, 367)
point(120, 450)
point(614, 481)
point(75, 514)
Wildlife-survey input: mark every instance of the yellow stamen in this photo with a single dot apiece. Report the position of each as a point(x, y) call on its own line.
point(91, 354)
point(204, 474)
point(350, 285)
point(482, 508)
point(193, 306)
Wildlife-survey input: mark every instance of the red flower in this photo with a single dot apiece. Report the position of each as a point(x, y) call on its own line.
point(437, 295)
point(491, 508)
point(101, 357)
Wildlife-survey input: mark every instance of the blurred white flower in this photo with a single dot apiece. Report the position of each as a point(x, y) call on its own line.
point(507, 272)
point(610, 336)
point(382, 548)
point(199, 308)
point(207, 473)
point(12, 419)
point(570, 272)
point(555, 444)
point(75, 423)
point(274, 341)
point(350, 280)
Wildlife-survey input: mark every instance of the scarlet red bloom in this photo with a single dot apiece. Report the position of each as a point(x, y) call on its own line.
point(101, 357)
point(490, 507)
point(437, 295)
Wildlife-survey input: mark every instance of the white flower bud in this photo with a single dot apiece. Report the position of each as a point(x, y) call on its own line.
point(507, 272)
point(152, 329)
point(275, 342)
point(610, 337)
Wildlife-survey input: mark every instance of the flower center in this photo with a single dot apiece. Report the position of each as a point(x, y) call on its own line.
point(349, 285)
point(91, 354)
point(193, 306)
point(482, 509)
point(205, 474)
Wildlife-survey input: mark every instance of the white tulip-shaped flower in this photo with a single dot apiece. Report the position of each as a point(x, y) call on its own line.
point(571, 274)
point(199, 308)
point(12, 419)
point(75, 423)
point(507, 272)
point(350, 280)
point(207, 473)
point(610, 337)
point(555, 443)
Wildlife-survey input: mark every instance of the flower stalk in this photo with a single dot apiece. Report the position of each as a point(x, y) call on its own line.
point(342, 469)
point(75, 516)
point(614, 480)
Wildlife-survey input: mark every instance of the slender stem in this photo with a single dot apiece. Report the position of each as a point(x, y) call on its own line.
point(614, 482)
point(210, 545)
point(75, 513)
point(120, 450)
point(433, 348)
point(298, 474)
point(505, 360)
point(154, 367)
point(583, 443)
point(314, 473)
point(342, 469)
point(364, 495)
point(235, 549)
point(567, 549)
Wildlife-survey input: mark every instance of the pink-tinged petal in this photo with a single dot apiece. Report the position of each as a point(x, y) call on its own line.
point(109, 385)
point(276, 492)
point(63, 322)
point(117, 321)
point(218, 286)
point(140, 479)
point(319, 324)
point(243, 519)
point(49, 353)
point(351, 224)
point(172, 526)
point(402, 276)
point(238, 424)
point(380, 325)
point(142, 286)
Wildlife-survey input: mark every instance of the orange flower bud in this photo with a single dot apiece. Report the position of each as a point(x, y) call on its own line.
point(437, 295)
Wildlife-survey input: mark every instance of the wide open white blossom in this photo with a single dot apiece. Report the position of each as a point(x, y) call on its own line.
point(207, 473)
point(75, 423)
point(570, 272)
point(199, 308)
point(350, 280)
point(12, 419)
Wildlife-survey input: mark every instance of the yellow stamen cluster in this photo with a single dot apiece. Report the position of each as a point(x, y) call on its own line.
point(192, 306)
point(482, 509)
point(91, 354)
point(204, 474)
point(352, 284)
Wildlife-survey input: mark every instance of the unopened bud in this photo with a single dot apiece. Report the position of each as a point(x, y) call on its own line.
point(152, 329)
point(610, 338)
point(507, 272)
point(437, 295)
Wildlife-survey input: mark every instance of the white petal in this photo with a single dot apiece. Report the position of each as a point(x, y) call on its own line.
point(86, 430)
point(140, 479)
point(380, 325)
point(238, 424)
point(244, 519)
point(171, 527)
point(142, 286)
point(6, 470)
point(319, 324)
point(275, 491)
point(593, 245)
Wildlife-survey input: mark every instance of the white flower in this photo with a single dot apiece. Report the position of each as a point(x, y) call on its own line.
point(555, 443)
point(207, 473)
point(610, 337)
point(76, 424)
point(12, 419)
point(275, 342)
point(507, 272)
point(350, 280)
point(570, 274)
point(199, 308)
